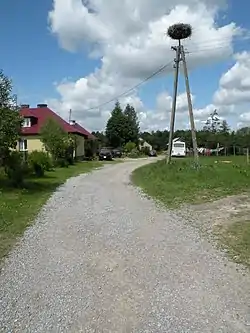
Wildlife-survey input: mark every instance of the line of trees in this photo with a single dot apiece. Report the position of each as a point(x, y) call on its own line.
point(216, 132)
point(122, 130)
point(123, 126)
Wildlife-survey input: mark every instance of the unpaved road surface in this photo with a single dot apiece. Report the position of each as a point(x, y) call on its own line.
point(103, 258)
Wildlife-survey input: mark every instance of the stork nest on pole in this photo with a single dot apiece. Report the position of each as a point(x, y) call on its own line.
point(179, 31)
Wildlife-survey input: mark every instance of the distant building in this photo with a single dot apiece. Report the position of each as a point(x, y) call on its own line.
point(35, 118)
point(144, 144)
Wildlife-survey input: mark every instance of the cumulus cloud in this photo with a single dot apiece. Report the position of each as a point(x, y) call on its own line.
point(235, 83)
point(129, 38)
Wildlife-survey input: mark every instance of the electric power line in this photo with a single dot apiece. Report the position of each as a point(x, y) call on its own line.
point(207, 47)
point(132, 88)
point(218, 40)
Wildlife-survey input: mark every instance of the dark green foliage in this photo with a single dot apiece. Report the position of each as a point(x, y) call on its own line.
point(102, 140)
point(115, 127)
point(145, 150)
point(131, 127)
point(39, 162)
point(58, 143)
point(15, 168)
point(122, 127)
point(134, 153)
point(129, 146)
point(10, 120)
point(91, 147)
point(10, 126)
point(7, 100)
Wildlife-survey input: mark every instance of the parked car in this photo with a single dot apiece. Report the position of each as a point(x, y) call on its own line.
point(117, 153)
point(152, 153)
point(105, 154)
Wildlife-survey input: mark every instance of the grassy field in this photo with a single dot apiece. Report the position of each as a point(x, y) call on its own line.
point(181, 182)
point(216, 178)
point(235, 238)
point(18, 207)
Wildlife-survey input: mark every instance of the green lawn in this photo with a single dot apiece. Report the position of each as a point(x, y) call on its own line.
point(236, 239)
point(18, 207)
point(181, 182)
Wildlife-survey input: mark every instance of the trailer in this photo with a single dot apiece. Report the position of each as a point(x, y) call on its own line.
point(178, 148)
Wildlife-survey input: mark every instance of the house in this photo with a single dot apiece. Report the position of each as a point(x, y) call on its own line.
point(144, 144)
point(35, 118)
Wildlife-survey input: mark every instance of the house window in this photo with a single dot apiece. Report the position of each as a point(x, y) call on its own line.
point(26, 122)
point(23, 146)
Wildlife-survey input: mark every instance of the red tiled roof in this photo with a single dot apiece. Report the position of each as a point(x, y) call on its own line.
point(80, 128)
point(42, 114)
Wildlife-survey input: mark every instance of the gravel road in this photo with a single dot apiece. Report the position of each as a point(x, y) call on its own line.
point(101, 257)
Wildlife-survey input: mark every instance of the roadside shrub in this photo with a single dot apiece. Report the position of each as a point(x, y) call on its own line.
point(145, 150)
point(15, 168)
point(129, 147)
point(135, 153)
point(62, 163)
point(39, 162)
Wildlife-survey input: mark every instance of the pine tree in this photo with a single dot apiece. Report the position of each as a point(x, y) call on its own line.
point(115, 127)
point(131, 126)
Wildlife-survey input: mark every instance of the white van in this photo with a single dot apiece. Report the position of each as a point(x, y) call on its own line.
point(178, 149)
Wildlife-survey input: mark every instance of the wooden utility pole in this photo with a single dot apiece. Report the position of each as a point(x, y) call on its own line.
point(173, 111)
point(190, 107)
point(217, 149)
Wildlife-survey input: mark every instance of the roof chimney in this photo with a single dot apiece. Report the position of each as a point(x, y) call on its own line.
point(25, 106)
point(72, 122)
point(42, 105)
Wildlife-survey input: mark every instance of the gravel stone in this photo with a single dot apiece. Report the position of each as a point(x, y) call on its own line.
point(102, 257)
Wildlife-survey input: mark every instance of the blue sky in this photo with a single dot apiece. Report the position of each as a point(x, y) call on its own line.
point(34, 60)
point(32, 57)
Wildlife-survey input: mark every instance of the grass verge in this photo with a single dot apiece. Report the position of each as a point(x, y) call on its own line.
point(181, 182)
point(19, 207)
point(235, 238)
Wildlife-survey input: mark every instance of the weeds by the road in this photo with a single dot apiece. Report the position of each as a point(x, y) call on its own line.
point(18, 207)
point(181, 182)
point(235, 238)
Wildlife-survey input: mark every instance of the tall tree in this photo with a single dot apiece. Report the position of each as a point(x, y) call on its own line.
point(56, 141)
point(115, 127)
point(131, 126)
point(213, 122)
point(224, 127)
point(10, 120)
point(101, 137)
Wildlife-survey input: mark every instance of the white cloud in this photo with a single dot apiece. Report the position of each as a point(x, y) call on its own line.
point(129, 38)
point(233, 95)
point(235, 83)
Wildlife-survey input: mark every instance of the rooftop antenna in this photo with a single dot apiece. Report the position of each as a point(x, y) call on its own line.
point(179, 32)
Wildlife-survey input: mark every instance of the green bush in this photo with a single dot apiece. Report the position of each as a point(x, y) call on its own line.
point(145, 150)
point(129, 147)
point(15, 168)
point(135, 153)
point(62, 163)
point(39, 162)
